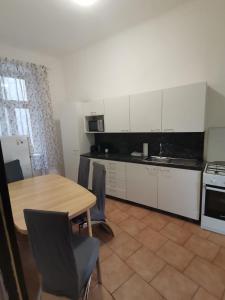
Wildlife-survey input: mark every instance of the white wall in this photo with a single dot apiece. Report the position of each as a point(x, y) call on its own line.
point(183, 46)
point(55, 72)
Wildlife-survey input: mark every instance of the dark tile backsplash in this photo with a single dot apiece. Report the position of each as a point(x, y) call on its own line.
point(185, 145)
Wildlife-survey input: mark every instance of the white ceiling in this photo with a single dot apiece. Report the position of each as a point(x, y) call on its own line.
point(60, 26)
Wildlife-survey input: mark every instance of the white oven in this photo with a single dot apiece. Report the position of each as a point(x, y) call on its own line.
point(213, 197)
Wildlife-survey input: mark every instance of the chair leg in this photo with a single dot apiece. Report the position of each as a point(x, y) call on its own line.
point(39, 297)
point(107, 228)
point(86, 292)
point(99, 273)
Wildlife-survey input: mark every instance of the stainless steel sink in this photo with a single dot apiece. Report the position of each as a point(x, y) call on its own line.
point(170, 160)
point(160, 159)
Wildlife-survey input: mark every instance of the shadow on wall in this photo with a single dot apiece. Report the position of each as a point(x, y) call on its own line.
point(215, 109)
point(60, 150)
point(215, 118)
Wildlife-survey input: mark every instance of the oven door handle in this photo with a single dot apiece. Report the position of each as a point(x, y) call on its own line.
point(215, 190)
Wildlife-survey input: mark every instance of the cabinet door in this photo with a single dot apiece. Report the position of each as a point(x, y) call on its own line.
point(94, 108)
point(184, 108)
point(179, 191)
point(116, 179)
point(117, 117)
point(146, 112)
point(142, 184)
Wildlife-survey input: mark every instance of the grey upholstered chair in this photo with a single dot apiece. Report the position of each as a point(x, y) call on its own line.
point(64, 260)
point(13, 171)
point(83, 173)
point(83, 179)
point(98, 188)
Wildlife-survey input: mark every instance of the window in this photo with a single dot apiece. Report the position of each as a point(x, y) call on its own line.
point(13, 89)
point(15, 115)
point(26, 109)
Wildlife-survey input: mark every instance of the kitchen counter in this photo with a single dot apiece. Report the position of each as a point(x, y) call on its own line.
point(178, 163)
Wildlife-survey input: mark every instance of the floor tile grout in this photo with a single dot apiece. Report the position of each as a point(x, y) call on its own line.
point(134, 237)
point(155, 273)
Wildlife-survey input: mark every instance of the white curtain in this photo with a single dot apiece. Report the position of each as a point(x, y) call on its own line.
point(25, 109)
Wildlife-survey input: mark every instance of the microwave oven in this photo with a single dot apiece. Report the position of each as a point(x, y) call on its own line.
point(96, 125)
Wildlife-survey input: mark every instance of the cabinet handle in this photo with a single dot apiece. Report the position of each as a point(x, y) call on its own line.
point(93, 113)
point(155, 130)
point(151, 171)
point(124, 130)
point(169, 129)
point(165, 172)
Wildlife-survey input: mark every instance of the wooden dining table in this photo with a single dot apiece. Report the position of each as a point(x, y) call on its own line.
point(49, 193)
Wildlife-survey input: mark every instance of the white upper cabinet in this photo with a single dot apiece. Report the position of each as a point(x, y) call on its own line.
point(117, 117)
point(179, 109)
point(146, 112)
point(184, 108)
point(94, 108)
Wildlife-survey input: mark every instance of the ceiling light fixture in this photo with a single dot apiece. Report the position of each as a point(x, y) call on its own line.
point(85, 2)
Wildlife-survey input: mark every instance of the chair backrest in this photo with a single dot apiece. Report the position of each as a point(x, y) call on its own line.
point(98, 185)
point(50, 237)
point(13, 171)
point(83, 173)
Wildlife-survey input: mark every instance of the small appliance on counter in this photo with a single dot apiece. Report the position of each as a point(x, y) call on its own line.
point(213, 197)
point(101, 148)
point(141, 154)
point(136, 154)
point(94, 149)
point(145, 149)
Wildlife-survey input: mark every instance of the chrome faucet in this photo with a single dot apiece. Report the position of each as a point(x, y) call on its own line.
point(160, 149)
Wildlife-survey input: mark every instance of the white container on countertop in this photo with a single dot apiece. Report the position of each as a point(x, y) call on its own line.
point(145, 149)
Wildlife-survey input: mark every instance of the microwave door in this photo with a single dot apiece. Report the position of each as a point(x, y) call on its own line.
point(93, 126)
point(215, 203)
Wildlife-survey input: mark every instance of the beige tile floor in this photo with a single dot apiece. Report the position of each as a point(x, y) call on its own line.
point(154, 256)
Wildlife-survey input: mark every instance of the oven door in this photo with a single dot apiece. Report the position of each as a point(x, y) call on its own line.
point(215, 202)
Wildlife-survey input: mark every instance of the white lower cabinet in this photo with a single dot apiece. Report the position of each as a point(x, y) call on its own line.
point(179, 191)
point(142, 184)
point(115, 177)
point(169, 189)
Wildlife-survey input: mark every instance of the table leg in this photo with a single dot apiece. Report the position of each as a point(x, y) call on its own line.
point(89, 222)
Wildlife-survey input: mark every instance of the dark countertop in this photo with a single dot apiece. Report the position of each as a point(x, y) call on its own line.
point(179, 163)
